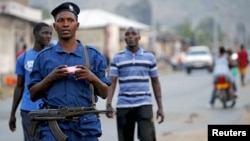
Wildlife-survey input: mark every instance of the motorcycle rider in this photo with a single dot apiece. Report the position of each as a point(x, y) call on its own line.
point(221, 67)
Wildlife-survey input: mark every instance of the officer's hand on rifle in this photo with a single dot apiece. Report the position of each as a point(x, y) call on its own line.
point(109, 107)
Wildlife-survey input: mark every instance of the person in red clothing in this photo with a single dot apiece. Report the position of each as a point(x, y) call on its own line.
point(21, 51)
point(242, 63)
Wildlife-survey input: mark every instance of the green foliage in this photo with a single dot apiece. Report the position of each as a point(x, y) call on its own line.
point(202, 37)
point(202, 34)
point(158, 26)
point(185, 31)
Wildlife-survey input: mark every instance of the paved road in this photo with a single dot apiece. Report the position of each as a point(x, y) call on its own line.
point(184, 98)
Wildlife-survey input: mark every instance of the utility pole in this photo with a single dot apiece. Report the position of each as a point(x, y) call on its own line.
point(215, 34)
point(215, 27)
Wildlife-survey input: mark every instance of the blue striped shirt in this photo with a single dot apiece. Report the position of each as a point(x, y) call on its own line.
point(134, 71)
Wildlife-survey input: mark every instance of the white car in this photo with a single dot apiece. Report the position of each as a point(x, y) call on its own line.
point(198, 57)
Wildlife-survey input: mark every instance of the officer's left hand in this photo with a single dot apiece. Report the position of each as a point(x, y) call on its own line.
point(83, 73)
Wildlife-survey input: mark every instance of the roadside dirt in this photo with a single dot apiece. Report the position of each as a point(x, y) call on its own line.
point(6, 91)
point(201, 135)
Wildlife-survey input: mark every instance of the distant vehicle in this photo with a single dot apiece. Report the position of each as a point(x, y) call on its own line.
point(198, 57)
point(176, 61)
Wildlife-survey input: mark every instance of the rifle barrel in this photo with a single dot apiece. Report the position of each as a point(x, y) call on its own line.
point(63, 114)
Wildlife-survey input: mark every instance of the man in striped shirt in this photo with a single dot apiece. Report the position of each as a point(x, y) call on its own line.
point(135, 68)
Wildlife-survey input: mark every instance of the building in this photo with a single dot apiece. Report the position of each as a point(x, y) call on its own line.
point(16, 25)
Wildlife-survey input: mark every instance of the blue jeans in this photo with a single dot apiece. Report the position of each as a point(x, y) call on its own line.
point(213, 97)
point(26, 127)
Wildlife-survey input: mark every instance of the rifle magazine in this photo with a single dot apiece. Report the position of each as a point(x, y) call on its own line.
point(57, 132)
point(33, 127)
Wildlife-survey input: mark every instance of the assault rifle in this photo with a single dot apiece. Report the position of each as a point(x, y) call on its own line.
point(62, 114)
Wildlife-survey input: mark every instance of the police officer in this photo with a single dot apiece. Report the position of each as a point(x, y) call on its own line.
point(59, 86)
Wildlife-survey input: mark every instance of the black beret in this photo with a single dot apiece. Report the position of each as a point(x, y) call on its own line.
point(67, 6)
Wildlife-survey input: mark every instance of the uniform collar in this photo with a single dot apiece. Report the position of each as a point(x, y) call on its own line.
point(77, 51)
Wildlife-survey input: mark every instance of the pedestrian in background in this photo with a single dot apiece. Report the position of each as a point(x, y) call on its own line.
point(42, 33)
point(242, 63)
point(134, 68)
point(23, 50)
point(60, 86)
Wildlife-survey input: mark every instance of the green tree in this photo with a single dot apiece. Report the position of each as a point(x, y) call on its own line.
point(204, 32)
point(202, 36)
point(184, 30)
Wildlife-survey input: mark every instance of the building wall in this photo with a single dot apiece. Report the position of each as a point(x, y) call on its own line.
point(6, 44)
point(24, 2)
point(109, 40)
point(14, 33)
point(16, 24)
point(92, 37)
point(105, 39)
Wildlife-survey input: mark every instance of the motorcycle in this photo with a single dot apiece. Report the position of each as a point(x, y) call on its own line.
point(222, 89)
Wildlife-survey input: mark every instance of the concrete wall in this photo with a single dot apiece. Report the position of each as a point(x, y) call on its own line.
point(94, 37)
point(24, 2)
point(14, 33)
point(105, 39)
point(108, 40)
point(16, 25)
